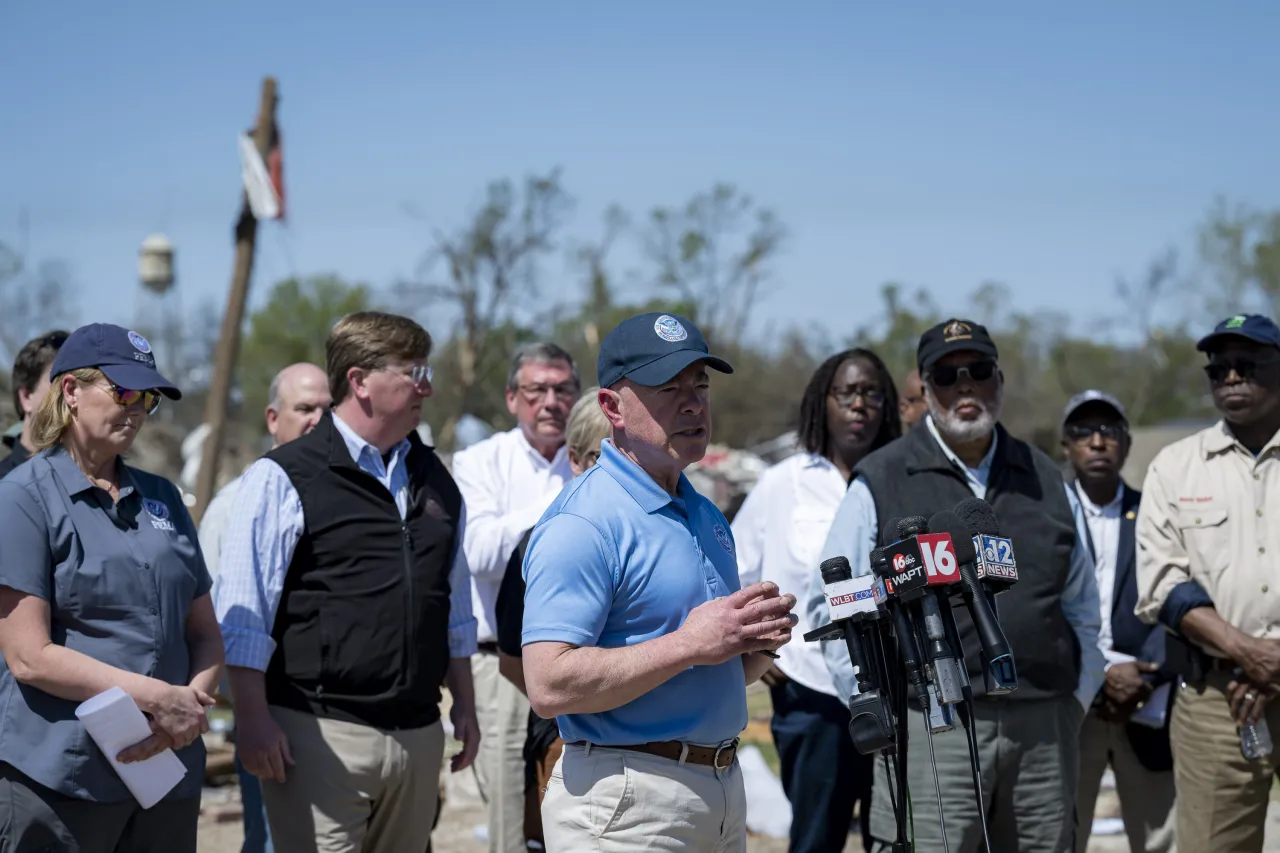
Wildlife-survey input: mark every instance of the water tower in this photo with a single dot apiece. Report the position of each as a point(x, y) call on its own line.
point(158, 311)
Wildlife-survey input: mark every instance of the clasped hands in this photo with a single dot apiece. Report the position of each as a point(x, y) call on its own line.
point(754, 619)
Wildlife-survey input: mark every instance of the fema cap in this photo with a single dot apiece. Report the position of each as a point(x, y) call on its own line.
point(124, 356)
point(1093, 396)
point(1253, 327)
point(649, 349)
point(953, 336)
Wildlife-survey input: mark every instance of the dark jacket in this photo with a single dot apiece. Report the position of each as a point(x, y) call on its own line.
point(914, 476)
point(1131, 636)
point(362, 628)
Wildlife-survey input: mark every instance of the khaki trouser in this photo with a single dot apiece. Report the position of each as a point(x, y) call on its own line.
point(616, 801)
point(1029, 750)
point(1222, 797)
point(503, 713)
point(1146, 796)
point(354, 788)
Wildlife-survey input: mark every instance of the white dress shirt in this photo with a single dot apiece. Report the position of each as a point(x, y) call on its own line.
point(507, 486)
point(779, 532)
point(1104, 531)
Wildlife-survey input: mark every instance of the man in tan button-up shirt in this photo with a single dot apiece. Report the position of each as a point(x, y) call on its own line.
point(1207, 569)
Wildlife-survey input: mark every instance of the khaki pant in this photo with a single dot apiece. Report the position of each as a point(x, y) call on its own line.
point(617, 801)
point(503, 713)
point(353, 788)
point(1146, 797)
point(1029, 750)
point(1222, 797)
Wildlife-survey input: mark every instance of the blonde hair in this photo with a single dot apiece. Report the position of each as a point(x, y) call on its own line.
point(50, 422)
point(370, 339)
point(587, 426)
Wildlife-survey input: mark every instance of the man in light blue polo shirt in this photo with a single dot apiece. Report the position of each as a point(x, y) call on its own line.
point(636, 635)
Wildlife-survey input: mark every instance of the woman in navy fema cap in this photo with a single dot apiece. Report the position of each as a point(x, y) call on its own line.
point(102, 585)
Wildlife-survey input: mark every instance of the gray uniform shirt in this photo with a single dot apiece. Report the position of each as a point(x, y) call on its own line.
point(120, 580)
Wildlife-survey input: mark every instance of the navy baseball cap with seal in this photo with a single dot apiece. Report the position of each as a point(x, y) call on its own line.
point(124, 356)
point(1252, 327)
point(1093, 396)
point(650, 349)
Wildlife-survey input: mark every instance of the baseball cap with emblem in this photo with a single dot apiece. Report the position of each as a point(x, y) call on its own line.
point(1252, 327)
point(953, 336)
point(1084, 398)
point(650, 349)
point(124, 356)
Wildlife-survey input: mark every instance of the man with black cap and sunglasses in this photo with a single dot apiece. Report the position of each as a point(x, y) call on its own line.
point(30, 380)
point(637, 636)
point(1028, 739)
point(1207, 547)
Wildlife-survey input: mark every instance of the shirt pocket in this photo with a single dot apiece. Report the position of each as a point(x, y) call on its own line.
point(807, 533)
point(100, 585)
point(1206, 535)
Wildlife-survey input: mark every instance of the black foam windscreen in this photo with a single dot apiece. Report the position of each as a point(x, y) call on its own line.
point(961, 536)
point(912, 525)
point(879, 562)
point(889, 531)
point(978, 516)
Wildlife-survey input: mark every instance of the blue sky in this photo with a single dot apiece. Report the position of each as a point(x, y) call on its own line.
point(941, 145)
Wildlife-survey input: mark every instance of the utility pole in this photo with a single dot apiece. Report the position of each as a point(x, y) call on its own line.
point(246, 233)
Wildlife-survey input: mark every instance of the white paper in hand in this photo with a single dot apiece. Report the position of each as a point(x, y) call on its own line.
point(115, 723)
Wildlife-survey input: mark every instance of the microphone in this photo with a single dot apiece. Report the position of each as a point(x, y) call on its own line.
point(941, 570)
point(850, 603)
point(996, 565)
point(907, 583)
point(999, 671)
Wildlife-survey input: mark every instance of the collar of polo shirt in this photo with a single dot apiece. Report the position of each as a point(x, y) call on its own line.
point(637, 481)
point(75, 481)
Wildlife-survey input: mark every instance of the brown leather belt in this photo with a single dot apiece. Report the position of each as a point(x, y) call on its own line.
point(718, 757)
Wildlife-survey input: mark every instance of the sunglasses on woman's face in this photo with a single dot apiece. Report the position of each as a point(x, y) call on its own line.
point(944, 375)
point(127, 397)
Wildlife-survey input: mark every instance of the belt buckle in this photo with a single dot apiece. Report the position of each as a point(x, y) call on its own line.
point(715, 759)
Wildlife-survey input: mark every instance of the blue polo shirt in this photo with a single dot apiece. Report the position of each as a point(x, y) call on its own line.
point(616, 561)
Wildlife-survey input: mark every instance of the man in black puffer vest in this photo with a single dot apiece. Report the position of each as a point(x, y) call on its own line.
point(1028, 739)
point(345, 605)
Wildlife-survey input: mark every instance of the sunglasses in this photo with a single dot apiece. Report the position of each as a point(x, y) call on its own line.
point(127, 397)
point(1081, 432)
point(945, 376)
point(1245, 368)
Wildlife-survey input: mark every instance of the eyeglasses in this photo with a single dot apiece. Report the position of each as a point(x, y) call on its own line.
point(421, 374)
point(1082, 432)
point(563, 391)
point(418, 374)
point(944, 376)
point(873, 397)
point(1245, 368)
point(127, 397)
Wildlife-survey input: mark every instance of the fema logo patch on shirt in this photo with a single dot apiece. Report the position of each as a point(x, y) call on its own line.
point(669, 329)
point(159, 513)
point(722, 536)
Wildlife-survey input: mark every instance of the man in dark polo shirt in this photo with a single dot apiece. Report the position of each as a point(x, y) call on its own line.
point(30, 380)
point(1028, 739)
point(345, 604)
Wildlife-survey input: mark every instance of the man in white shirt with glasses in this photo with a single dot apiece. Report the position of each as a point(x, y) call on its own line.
point(507, 482)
